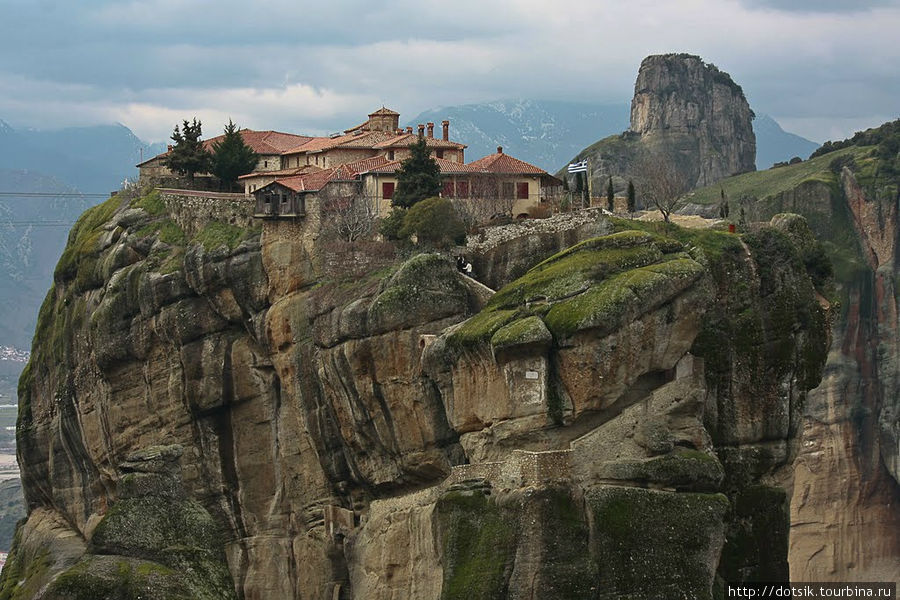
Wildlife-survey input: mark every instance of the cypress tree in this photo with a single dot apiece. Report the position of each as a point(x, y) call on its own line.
point(231, 157)
point(188, 156)
point(631, 199)
point(610, 195)
point(419, 177)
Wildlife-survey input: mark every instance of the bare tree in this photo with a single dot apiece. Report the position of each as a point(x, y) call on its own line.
point(487, 197)
point(661, 183)
point(347, 216)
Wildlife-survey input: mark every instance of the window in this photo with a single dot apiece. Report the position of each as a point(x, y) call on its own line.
point(522, 190)
point(317, 159)
point(508, 189)
point(387, 190)
point(440, 154)
point(390, 155)
point(462, 189)
point(265, 164)
point(447, 192)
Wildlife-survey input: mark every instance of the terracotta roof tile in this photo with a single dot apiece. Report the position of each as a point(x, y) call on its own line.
point(262, 142)
point(405, 140)
point(448, 167)
point(383, 111)
point(504, 163)
point(283, 172)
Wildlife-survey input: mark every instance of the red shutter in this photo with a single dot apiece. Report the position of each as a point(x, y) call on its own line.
point(387, 190)
point(462, 189)
point(522, 191)
point(447, 192)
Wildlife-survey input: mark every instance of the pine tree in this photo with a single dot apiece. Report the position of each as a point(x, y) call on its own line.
point(188, 156)
point(419, 177)
point(631, 199)
point(231, 157)
point(610, 195)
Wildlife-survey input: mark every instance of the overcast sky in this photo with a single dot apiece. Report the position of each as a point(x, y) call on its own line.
point(822, 68)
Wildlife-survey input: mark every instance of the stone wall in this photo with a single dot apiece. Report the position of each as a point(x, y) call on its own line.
point(192, 210)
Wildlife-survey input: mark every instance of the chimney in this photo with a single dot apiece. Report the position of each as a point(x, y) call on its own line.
point(446, 126)
point(421, 130)
point(431, 130)
point(499, 149)
point(409, 129)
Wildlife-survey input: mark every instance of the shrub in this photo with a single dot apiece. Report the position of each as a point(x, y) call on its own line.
point(434, 222)
point(390, 225)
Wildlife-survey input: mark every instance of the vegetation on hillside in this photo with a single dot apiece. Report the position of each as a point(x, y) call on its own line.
point(886, 139)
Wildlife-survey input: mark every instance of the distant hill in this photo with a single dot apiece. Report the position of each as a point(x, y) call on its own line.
point(92, 159)
point(774, 144)
point(33, 230)
point(546, 133)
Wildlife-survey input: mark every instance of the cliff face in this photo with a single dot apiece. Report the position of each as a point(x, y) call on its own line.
point(687, 111)
point(612, 421)
point(683, 106)
point(845, 482)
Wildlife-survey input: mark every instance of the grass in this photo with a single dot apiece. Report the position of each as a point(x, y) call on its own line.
point(79, 259)
point(151, 202)
point(762, 184)
point(216, 234)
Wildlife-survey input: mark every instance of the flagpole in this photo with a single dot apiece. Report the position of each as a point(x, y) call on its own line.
point(590, 173)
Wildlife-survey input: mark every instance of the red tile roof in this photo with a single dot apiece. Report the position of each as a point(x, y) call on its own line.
point(448, 167)
point(405, 140)
point(283, 172)
point(383, 111)
point(262, 142)
point(316, 180)
point(506, 164)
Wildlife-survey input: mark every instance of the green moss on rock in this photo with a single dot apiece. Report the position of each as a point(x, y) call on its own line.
point(597, 283)
point(681, 469)
point(651, 544)
point(118, 578)
point(756, 547)
point(425, 288)
point(216, 234)
point(566, 571)
point(530, 330)
point(177, 533)
point(478, 538)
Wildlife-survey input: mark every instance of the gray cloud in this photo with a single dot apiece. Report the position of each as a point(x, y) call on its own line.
point(820, 6)
point(315, 66)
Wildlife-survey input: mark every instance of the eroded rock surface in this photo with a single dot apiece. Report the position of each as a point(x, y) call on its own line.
point(383, 436)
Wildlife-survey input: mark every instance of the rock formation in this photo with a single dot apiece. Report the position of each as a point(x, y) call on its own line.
point(614, 420)
point(688, 112)
point(844, 514)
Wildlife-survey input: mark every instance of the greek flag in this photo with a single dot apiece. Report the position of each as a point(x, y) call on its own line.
point(578, 167)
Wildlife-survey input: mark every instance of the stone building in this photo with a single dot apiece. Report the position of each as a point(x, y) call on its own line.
point(269, 145)
point(497, 183)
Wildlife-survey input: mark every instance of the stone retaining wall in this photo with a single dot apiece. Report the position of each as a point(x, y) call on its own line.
point(192, 210)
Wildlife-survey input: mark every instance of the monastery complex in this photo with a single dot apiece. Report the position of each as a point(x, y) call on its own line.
point(363, 162)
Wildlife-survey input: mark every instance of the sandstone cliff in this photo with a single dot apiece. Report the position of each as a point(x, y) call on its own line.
point(219, 414)
point(844, 509)
point(686, 110)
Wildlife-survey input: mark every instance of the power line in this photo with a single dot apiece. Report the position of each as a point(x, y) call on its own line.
point(39, 223)
point(50, 195)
